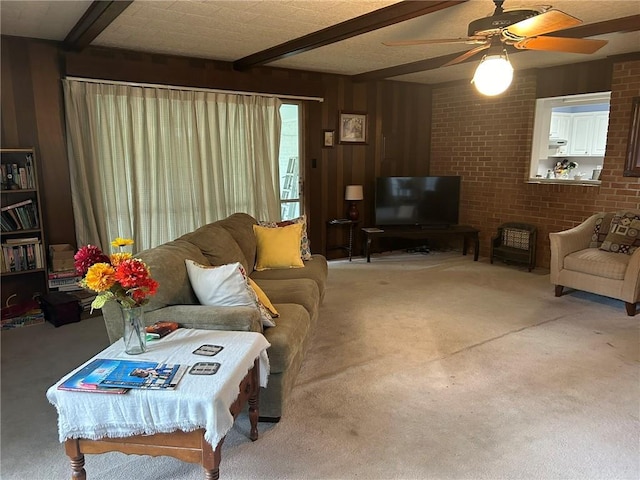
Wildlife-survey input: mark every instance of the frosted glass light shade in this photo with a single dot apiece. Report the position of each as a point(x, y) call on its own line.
point(494, 75)
point(353, 192)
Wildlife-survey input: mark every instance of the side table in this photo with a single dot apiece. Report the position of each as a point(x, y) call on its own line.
point(197, 414)
point(343, 222)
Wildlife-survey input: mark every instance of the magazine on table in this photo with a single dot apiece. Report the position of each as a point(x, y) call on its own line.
point(88, 378)
point(144, 375)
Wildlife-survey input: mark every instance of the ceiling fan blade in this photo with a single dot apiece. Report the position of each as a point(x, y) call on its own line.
point(403, 43)
point(558, 44)
point(546, 22)
point(466, 55)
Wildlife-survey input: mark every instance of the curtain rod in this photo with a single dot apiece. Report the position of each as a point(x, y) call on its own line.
point(192, 89)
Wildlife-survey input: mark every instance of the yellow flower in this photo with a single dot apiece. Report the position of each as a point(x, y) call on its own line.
point(122, 242)
point(100, 277)
point(117, 258)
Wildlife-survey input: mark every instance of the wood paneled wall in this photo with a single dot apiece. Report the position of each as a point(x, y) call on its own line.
point(398, 122)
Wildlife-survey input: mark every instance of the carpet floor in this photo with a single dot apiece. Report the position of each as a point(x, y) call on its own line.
point(421, 367)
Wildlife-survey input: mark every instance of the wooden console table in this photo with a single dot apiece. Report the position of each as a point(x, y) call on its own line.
point(240, 365)
point(467, 233)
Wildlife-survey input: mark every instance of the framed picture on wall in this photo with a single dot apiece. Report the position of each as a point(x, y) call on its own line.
point(352, 128)
point(632, 162)
point(328, 138)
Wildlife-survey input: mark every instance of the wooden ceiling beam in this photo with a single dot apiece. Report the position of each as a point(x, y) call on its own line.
point(380, 18)
point(624, 24)
point(98, 16)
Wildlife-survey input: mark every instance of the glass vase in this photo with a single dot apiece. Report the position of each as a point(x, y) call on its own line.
point(135, 335)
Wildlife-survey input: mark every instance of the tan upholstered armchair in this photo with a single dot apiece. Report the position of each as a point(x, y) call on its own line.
point(585, 258)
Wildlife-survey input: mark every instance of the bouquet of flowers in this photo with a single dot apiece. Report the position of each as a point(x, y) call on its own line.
point(563, 167)
point(118, 277)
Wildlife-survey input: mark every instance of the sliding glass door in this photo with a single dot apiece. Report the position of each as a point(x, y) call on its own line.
point(289, 160)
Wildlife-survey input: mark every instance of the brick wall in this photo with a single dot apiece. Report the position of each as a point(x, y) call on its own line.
point(488, 142)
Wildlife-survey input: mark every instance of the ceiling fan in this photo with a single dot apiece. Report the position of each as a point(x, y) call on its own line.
point(522, 28)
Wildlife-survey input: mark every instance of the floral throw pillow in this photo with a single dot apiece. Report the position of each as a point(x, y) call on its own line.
point(305, 246)
point(624, 233)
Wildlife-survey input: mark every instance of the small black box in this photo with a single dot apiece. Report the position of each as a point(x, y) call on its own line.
point(60, 308)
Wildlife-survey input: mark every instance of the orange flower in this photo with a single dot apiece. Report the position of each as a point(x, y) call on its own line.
point(117, 258)
point(100, 277)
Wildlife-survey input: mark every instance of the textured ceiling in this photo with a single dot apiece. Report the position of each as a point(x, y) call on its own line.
point(230, 30)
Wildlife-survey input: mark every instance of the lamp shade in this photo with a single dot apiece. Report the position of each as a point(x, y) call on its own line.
point(494, 75)
point(353, 192)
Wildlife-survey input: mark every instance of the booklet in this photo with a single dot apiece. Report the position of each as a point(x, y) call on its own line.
point(144, 375)
point(88, 379)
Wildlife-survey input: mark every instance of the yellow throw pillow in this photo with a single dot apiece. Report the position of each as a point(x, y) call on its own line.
point(278, 247)
point(262, 298)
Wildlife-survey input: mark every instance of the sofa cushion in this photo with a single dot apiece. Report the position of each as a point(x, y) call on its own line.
point(594, 261)
point(278, 247)
point(240, 226)
point(305, 245)
point(217, 245)
point(624, 233)
point(225, 286)
point(315, 269)
point(166, 264)
point(301, 291)
point(287, 337)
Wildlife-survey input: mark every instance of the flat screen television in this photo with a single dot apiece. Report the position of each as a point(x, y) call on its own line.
point(420, 201)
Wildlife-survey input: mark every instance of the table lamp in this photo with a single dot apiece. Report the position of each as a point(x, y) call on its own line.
point(353, 193)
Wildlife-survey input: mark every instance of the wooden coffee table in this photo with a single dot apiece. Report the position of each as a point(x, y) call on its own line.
point(190, 446)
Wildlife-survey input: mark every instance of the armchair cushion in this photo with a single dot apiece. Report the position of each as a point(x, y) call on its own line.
point(598, 263)
point(624, 234)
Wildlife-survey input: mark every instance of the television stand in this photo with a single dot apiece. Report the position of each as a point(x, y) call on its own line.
point(466, 232)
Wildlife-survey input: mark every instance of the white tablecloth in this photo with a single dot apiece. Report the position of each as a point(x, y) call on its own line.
point(199, 401)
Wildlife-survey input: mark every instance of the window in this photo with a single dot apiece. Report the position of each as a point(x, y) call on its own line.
point(570, 130)
point(289, 161)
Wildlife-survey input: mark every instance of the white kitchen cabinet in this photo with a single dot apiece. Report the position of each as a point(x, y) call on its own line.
point(588, 134)
point(560, 125)
point(600, 128)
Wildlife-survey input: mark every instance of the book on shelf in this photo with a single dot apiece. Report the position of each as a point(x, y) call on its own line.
point(143, 375)
point(88, 378)
point(19, 216)
point(20, 175)
point(20, 254)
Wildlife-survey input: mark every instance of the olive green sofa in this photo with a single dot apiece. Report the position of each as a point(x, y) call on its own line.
point(296, 293)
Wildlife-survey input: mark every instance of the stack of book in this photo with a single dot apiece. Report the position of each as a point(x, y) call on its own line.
point(22, 315)
point(84, 298)
point(118, 376)
point(65, 281)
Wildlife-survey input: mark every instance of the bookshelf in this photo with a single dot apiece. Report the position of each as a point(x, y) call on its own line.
point(24, 260)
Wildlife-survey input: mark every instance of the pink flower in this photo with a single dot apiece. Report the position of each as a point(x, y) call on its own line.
point(87, 256)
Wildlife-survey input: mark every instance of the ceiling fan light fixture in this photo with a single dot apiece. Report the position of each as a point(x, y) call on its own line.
point(494, 74)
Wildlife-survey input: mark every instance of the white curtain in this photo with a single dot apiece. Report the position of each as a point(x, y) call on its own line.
point(153, 163)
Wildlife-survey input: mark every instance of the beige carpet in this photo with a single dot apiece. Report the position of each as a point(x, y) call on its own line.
point(422, 367)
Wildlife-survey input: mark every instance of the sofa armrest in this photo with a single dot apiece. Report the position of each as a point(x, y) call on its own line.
point(569, 241)
point(245, 319)
point(631, 286)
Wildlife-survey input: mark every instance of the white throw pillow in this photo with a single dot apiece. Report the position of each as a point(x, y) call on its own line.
point(224, 286)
